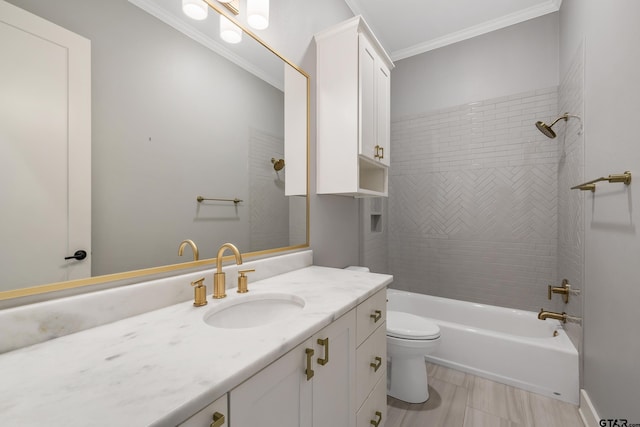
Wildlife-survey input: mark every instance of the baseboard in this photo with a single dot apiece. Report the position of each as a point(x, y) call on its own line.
point(587, 411)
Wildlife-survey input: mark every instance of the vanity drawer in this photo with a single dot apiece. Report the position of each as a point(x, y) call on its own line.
point(370, 314)
point(372, 351)
point(374, 410)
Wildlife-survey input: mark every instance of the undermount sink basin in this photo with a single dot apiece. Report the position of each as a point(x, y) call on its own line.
point(251, 311)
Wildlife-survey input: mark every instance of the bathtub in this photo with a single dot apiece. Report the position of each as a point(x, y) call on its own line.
point(505, 345)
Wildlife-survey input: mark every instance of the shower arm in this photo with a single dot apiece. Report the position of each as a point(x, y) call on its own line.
point(565, 117)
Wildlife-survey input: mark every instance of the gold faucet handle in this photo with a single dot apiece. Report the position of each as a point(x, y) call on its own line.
point(243, 280)
point(199, 292)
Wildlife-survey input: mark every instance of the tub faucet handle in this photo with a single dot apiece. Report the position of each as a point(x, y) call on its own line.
point(563, 290)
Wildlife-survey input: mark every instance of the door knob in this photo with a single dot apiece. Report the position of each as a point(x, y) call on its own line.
point(79, 255)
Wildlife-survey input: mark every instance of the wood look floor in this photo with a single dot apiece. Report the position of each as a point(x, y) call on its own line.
point(457, 399)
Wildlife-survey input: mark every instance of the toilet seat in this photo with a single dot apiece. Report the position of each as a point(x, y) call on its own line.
point(411, 327)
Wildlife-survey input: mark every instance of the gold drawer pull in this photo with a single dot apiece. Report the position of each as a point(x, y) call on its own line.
point(309, 371)
point(325, 344)
point(375, 423)
point(376, 365)
point(218, 420)
point(376, 316)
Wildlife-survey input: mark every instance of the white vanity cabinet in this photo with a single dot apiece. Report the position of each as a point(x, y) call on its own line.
point(371, 361)
point(353, 103)
point(214, 415)
point(312, 385)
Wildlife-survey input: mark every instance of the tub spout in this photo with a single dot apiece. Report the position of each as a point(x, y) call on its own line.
point(553, 315)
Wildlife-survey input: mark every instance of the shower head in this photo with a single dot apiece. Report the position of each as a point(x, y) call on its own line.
point(548, 132)
point(278, 164)
point(546, 129)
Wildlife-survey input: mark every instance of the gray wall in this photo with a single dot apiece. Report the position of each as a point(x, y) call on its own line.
point(610, 33)
point(473, 194)
point(334, 219)
point(120, 119)
point(513, 60)
point(170, 120)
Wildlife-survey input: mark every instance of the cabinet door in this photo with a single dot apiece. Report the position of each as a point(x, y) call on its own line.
point(383, 107)
point(334, 400)
point(367, 99)
point(278, 396)
point(213, 415)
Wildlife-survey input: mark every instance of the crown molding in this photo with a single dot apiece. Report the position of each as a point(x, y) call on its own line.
point(541, 9)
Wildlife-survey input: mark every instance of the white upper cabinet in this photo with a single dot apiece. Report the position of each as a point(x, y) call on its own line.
point(353, 95)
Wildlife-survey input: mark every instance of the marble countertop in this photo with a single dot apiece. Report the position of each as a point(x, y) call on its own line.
point(160, 367)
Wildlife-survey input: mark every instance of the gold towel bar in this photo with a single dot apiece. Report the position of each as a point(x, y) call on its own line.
point(591, 185)
point(236, 200)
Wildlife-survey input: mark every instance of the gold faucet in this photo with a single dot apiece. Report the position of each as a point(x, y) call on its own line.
point(219, 276)
point(194, 248)
point(553, 315)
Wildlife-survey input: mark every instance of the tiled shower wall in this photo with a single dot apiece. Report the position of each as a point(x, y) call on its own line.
point(269, 207)
point(473, 205)
point(571, 202)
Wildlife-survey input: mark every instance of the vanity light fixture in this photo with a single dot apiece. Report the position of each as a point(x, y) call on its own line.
point(258, 14)
point(195, 9)
point(229, 31)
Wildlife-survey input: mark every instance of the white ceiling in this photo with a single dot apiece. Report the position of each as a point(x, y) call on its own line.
point(404, 27)
point(410, 27)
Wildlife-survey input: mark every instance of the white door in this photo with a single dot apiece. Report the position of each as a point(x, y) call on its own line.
point(45, 151)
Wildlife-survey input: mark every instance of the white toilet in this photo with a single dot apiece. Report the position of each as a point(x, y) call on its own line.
point(409, 339)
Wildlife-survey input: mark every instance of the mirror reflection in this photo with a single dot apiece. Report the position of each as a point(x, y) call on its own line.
point(171, 120)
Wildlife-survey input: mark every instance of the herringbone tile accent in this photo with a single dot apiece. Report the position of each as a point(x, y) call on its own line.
point(473, 201)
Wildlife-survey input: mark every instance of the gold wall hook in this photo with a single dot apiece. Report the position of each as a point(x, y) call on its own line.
point(278, 164)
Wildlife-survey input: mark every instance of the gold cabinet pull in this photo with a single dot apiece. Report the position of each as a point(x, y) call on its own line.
point(309, 371)
point(376, 423)
point(218, 420)
point(325, 344)
point(377, 154)
point(381, 156)
point(377, 315)
point(376, 365)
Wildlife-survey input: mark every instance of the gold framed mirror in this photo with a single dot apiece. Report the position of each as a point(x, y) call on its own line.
point(233, 163)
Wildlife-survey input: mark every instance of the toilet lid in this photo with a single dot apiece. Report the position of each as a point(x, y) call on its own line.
point(410, 326)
